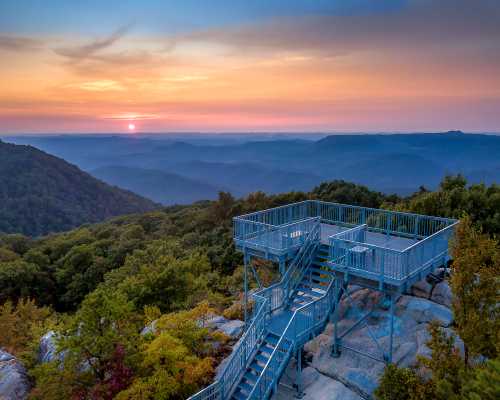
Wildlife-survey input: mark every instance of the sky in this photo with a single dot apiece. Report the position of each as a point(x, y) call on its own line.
point(94, 66)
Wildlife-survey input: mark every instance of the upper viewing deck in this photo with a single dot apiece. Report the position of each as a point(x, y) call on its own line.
point(385, 246)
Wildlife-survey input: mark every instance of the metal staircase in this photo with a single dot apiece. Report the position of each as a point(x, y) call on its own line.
point(286, 315)
point(321, 248)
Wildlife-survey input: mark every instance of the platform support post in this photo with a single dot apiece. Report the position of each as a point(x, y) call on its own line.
point(392, 328)
point(245, 278)
point(282, 266)
point(298, 376)
point(336, 312)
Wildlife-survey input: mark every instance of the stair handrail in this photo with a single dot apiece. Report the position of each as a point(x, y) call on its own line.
point(275, 375)
point(239, 357)
point(283, 286)
point(241, 353)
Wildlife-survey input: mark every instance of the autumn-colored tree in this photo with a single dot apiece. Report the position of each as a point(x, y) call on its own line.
point(475, 285)
point(21, 324)
point(179, 358)
point(100, 348)
point(445, 364)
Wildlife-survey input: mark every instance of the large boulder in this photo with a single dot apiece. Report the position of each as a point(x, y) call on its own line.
point(232, 328)
point(48, 351)
point(315, 386)
point(359, 373)
point(422, 289)
point(442, 294)
point(14, 383)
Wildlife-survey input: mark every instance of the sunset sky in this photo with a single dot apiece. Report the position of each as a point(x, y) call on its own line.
point(248, 66)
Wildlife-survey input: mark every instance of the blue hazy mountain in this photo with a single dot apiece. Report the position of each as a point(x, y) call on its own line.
point(163, 187)
point(242, 164)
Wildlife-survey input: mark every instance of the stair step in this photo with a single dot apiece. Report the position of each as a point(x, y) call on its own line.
point(262, 359)
point(319, 264)
point(243, 386)
point(267, 349)
point(318, 288)
point(322, 271)
point(312, 293)
point(239, 396)
point(272, 339)
point(302, 300)
point(320, 279)
point(252, 378)
point(256, 367)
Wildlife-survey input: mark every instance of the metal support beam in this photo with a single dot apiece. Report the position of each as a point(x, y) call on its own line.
point(298, 376)
point(256, 276)
point(282, 264)
point(391, 329)
point(245, 278)
point(336, 340)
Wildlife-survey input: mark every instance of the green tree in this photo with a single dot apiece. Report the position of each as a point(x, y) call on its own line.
point(485, 383)
point(475, 285)
point(101, 341)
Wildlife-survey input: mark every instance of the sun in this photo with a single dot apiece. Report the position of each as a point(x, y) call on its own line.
point(131, 127)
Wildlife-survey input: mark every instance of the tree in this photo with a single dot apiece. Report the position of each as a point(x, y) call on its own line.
point(445, 364)
point(475, 285)
point(402, 384)
point(101, 350)
point(21, 324)
point(179, 358)
point(485, 383)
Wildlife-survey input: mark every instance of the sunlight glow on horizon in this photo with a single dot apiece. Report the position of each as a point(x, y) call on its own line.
point(403, 70)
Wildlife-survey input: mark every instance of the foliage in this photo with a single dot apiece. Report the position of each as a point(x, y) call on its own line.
point(21, 323)
point(402, 384)
point(454, 198)
point(41, 193)
point(485, 383)
point(179, 358)
point(475, 285)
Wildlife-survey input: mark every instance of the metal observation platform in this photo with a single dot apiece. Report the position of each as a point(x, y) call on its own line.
point(321, 248)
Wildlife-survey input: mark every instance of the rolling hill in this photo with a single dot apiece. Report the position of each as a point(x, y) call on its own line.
point(162, 187)
point(40, 193)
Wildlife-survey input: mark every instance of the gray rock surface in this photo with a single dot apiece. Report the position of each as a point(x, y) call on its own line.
point(232, 328)
point(317, 386)
point(47, 351)
point(442, 294)
point(360, 373)
point(14, 383)
point(149, 328)
point(422, 289)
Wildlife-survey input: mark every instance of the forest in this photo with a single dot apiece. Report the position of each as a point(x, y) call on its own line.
point(99, 285)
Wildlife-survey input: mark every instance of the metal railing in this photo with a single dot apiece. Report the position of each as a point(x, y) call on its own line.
point(240, 356)
point(266, 301)
point(350, 251)
point(269, 237)
point(267, 229)
point(279, 293)
point(305, 320)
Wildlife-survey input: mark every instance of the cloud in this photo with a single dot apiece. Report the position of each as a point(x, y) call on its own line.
point(420, 25)
point(18, 43)
point(80, 53)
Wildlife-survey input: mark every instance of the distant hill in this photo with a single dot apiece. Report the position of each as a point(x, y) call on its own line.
point(40, 193)
point(162, 187)
point(384, 162)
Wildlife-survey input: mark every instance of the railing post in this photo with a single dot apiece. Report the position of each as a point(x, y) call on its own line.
point(245, 261)
point(382, 269)
point(415, 229)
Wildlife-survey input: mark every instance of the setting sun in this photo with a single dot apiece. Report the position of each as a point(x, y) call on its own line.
point(131, 127)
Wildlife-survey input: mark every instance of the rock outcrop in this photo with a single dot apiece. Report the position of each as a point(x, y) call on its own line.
point(14, 383)
point(360, 374)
